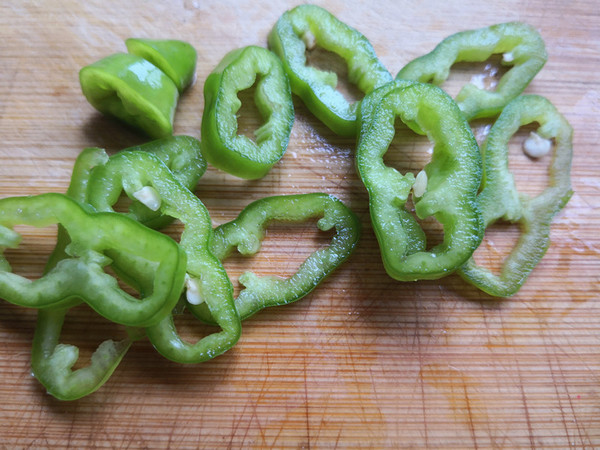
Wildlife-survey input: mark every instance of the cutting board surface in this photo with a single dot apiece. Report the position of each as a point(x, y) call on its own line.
point(363, 361)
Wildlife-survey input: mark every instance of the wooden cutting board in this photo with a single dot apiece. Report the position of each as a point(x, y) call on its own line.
point(363, 361)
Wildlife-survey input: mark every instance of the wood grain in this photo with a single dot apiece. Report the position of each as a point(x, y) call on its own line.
point(364, 361)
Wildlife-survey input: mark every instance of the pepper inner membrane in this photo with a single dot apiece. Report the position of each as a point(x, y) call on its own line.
point(411, 152)
point(249, 117)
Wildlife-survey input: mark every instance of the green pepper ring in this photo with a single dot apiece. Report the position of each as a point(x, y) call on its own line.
point(248, 230)
point(221, 145)
point(453, 177)
point(499, 198)
point(521, 45)
point(315, 87)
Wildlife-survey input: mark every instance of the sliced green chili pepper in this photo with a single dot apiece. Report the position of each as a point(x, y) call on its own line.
point(221, 145)
point(248, 230)
point(302, 28)
point(446, 188)
point(206, 279)
point(499, 198)
point(177, 59)
point(133, 90)
point(97, 240)
point(521, 45)
point(181, 154)
point(51, 361)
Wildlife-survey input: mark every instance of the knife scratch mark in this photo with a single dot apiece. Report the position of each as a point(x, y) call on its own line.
point(417, 338)
point(306, 408)
point(469, 413)
point(525, 407)
point(581, 433)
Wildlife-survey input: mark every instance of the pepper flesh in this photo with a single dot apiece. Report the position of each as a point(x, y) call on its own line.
point(453, 178)
point(315, 87)
point(131, 171)
point(177, 59)
point(248, 230)
point(133, 90)
point(499, 198)
point(97, 240)
point(221, 145)
point(523, 49)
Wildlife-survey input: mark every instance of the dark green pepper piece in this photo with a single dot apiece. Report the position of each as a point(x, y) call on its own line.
point(206, 279)
point(97, 240)
point(446, 188)
point(248, 230)
point(499, 198)
point(309, 25)
point(133, 90)
point(221, 145)
point(522, 48)
point(177, 59)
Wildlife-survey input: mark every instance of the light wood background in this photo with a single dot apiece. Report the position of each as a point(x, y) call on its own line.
point(364, 361)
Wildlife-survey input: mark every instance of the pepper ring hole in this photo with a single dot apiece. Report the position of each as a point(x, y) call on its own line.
point(485, 75)
point(327, 61)
point(29, 259)
point(249, 117)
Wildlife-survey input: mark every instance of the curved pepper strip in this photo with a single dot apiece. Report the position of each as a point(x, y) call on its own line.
point(499, 198)
point(133, 90)
point(247, 231)
point(52, 361)
point(206, 279)
point(97, 240)
point(453, 177)
point(309, 25)
point(521, 45)
point(177, 59)
point(221, 145)
point(181, 154)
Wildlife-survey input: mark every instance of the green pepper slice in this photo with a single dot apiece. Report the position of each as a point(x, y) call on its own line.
point(521, 45)
point(97, 240)
point(177, 59)
point(499, 198)
point(221, 145)
point(133, 90)
point(182, 156)
point(206, 279)
point(247, 231)
point(307, 25)
point(448, 188)
point(51, 361)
